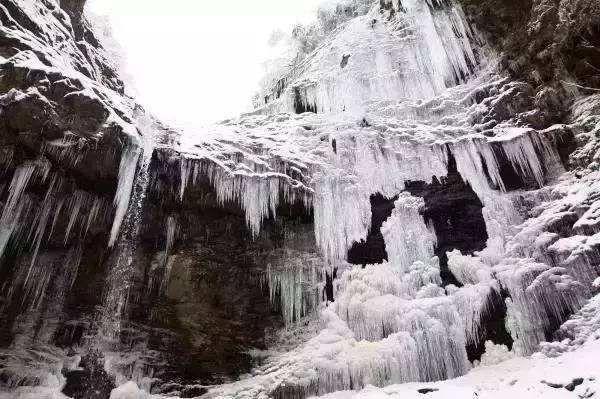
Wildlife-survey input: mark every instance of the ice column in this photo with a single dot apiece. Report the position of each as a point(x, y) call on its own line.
point(407, 237)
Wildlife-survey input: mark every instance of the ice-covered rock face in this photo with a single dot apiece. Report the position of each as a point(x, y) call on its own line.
point(398, 50)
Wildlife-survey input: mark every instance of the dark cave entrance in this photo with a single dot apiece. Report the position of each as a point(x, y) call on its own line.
point(372, 250)
point(300, 104)
point(455, 211)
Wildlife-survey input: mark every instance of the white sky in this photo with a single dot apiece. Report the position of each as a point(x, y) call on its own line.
point(198, 61)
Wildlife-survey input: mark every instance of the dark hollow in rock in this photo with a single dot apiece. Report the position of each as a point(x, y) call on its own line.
point(92, 381)
point(573, 384)
point(372, 250)
point(552, 384)
point(345, 59)
point(329, 279)
point(425, 391)
point(455, 211)
point(301, 105)
point(493, 327)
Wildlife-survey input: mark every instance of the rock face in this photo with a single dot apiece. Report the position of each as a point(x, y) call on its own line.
point(65, 130)
point(546, 41)
point(396, 202)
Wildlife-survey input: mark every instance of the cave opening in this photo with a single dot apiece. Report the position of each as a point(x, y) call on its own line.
point(300, 104)
point(455, 212)
point(372, 250)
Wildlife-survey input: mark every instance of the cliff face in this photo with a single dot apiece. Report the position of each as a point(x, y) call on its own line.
point(403, 197)
point(546, 42)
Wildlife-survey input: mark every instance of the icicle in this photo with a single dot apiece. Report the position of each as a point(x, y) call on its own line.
point(527, 151)
point(366, 164)
point(14, 206)
point(76, 205)
point(293, 280)
point(40, 224)
point(185, 172)
point(415, 52)
point(129, 201)
point(538, 294)
point(170, 233)
point(468, 269)
point(127, 171)
point(98, 203)
point(473, 302)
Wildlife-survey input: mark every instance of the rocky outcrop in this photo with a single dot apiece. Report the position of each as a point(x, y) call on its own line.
point(548, 42)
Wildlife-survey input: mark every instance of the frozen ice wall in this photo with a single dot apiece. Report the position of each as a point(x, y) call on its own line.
point(411, 49)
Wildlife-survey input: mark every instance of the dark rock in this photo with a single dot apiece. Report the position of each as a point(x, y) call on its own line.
point(552, 384)
point(73, 7)
point(573, 384)
point(344, 62)
point(92, 381)
point(86, 113)
point(425, 391)
point(456, 214)
point(192, 392)
point(372, 250)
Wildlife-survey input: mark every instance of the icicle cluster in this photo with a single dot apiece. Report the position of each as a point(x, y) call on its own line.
point(294, 280)
point(257, 193)
point(129, 202)
point(27, 222)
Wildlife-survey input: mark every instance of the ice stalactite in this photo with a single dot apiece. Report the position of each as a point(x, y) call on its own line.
point(295, 282)
point(540, 295)
point(478, 163)
point(171, 233)
point(407, 237)
point(39, 225)
point(335, 233)
point(129, 201)
point(468, 269)
point(15, 203)
point(127, 173)
point(543, 295)
point(257, 192)
point(365, 164)
point(474, 302)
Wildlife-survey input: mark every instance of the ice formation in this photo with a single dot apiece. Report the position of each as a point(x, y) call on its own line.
point(397, 50)
point(407, 237)
point(391, 94)
point(294, 284)
point(129, 201)
point(127, 176)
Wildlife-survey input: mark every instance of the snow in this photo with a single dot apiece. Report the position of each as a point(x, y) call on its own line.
point(518, 377)
point(129, 390)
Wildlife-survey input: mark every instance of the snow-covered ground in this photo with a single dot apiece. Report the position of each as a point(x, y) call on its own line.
point(573, 375)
